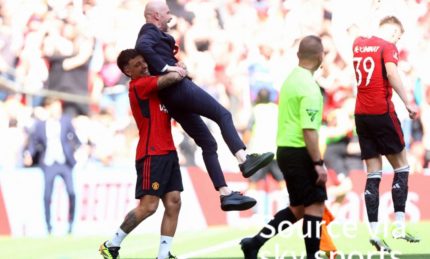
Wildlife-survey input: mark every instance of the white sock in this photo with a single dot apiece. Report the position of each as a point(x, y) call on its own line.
point(374, 228)
point(165, 244)
point(400, 217)
point(117, 238)
point(240, 156)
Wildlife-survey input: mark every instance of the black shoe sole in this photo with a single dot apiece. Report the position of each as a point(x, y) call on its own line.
point(376, 245)
point(242, 206)
point(409, 240)
point(265, 160)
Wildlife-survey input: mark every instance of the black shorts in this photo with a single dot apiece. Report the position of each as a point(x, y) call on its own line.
point(158, 175)
point(300, 176)
point(272, 168)
point(379, 135)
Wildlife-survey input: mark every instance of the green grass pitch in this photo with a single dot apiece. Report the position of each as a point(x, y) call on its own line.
point(218, 242)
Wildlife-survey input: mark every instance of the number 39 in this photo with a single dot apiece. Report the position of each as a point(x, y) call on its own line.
point(368, 67)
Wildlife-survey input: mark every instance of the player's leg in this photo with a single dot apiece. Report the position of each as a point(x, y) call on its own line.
point(150, 186)
point(66, 174)
point(194, 126)
point(399, 193)
point(193, 99)
point(147, 206)
point(369, 130)
point(172, 205)
point(49, 174)
point(393, 147)
point(371, 192)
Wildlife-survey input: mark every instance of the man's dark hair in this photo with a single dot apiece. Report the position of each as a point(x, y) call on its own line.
point(392, 20)
point(310, 47)
point(124, 57)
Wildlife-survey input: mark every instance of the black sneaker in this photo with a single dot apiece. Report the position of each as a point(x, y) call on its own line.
point(109, 252)
point(170, 256)
point(250, 250)
point(236, 201)
point(254, 162)
point(380, 244)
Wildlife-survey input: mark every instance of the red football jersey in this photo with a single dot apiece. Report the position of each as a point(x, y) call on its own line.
point(152, 119)
point(374, 91)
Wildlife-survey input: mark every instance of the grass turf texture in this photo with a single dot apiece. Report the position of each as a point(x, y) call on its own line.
point(219, 242)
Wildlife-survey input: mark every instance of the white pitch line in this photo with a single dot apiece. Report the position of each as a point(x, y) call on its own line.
point(211, 249)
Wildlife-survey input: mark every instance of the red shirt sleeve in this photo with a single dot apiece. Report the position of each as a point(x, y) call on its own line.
point(145, 86)
point(390, 53)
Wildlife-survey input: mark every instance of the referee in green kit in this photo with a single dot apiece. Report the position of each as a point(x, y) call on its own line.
point(299, 158)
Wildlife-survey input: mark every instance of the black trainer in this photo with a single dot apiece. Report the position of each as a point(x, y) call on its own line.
point(170, 256)
point(109, 252)
point(250, 250)
point(254, 162)
point(236, 201)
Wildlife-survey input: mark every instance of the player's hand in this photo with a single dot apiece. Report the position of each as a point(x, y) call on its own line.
point(182, 72)
point(412, 110)
point(181, 64)
point(322, 174)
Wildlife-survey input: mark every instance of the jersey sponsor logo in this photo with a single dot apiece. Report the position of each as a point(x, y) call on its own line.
point(155, 186)
point(163, 108)
point(312, 113)
point(366, 49)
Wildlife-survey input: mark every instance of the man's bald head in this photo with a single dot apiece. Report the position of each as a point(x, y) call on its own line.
point(311, 52)
point(157, 12)
point(153, 7)
point(310, 47)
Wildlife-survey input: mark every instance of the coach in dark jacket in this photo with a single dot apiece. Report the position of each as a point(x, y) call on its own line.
point(187, 102)
point(55, 142)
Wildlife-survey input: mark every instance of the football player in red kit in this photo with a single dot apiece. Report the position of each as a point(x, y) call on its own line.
point(157, 165)
point(378, 128)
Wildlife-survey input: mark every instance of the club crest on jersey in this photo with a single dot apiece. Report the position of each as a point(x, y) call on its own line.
point(163, 108)
point(312, 113)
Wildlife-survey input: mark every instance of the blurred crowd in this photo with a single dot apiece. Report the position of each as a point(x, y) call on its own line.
point(232, 48)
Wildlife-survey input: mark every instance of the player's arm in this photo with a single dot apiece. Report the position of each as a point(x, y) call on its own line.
point(168, 79)
point(396, 82)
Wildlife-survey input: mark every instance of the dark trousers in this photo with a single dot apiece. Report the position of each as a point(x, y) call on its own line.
point(186, 102)
point(50, 172)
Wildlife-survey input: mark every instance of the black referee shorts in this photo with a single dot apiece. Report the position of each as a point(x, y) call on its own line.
point(300, 176)
point(379, 135)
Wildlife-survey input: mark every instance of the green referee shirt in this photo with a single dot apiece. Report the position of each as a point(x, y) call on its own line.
point(300, 107)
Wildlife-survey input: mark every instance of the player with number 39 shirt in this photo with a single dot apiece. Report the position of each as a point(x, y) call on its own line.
point(378, 128)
